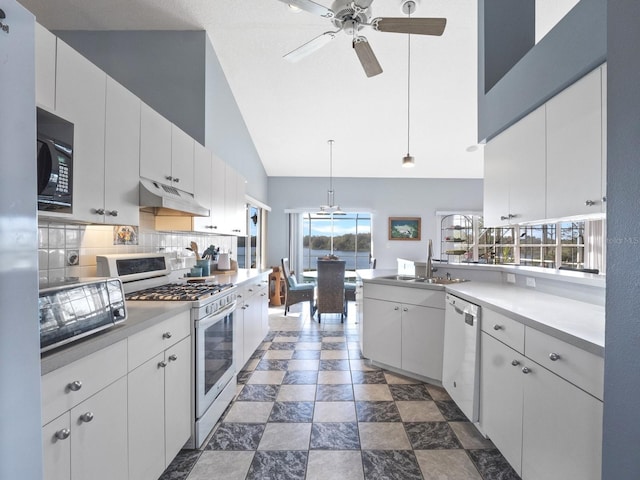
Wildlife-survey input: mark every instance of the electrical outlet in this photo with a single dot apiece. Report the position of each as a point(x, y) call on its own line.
point(72, 258)
point(531, 282)
point(511, 278)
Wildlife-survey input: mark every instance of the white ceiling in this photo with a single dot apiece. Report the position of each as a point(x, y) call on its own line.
point(291, 110)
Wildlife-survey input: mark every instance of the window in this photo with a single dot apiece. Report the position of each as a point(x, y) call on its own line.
point(495, 245)
point(346, 236)
point(249, 247)
point(538, 245)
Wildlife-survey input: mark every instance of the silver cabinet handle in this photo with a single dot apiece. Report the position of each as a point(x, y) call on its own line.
point(504, 217)
point(74, 386)
point(554, 356)
point(86, 417)
point(396, 308)
point(169, 177)
point(525, 370)
point(166, 335)
point(113, 213)
point(98, 211)
point(515, 363)
point(162, 364)
point(405, 309)
point(62, 434)
point(173, 358)
point(589, 203)
point(250, 289)
point(497, 327)
point(177, 180)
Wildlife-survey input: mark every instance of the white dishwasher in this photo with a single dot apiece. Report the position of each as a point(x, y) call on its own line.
point(461, 361)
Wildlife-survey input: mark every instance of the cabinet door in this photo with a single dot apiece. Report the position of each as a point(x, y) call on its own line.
point(264, 308)
point(603, 207)
point(382, 328)
point(562, 429)
point(422, 340)
point(497, 153)
point(122, 156)
point(574, 149)
point(501, 398)
point(181, 159)
point(56, 449)
point(146, 420)
point(218, 195)
point(178, 388)
point(99, 446)
point(202, 186)
point(80, 99)
point(45, 68)
point(155, 146)
point(241, 206)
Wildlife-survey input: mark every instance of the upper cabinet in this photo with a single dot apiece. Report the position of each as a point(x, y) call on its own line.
point(182, 174)
point(575, 149)
point(552, 163)
point(45, 68)
point(514, 165)
point(235, 205)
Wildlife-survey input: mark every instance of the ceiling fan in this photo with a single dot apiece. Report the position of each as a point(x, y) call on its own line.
point(351, 16)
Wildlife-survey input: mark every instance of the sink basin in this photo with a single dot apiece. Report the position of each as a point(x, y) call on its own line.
point(404, 278)
point(433, 280)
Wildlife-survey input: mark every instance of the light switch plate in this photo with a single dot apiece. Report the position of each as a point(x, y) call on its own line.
point(531, 282)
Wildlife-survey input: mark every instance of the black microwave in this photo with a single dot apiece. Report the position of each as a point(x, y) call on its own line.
point(55, 175)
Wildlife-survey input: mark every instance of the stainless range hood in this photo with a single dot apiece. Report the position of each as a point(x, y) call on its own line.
point(168, 200)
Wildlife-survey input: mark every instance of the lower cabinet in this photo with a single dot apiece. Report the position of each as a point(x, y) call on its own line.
point(251, 319)
point(90, 440)
point(159, 410)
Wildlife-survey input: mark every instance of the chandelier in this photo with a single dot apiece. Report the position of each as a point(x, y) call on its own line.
point(330, 208)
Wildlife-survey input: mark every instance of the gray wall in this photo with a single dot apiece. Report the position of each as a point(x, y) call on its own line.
point(381, 197)
point(178, 74)
point(622, 349)
point(575, 46)
point(20, 429)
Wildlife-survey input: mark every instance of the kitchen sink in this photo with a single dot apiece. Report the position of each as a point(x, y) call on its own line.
point(433, 280)
point(404, 278)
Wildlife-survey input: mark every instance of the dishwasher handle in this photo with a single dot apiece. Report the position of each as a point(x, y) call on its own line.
point(469, 318)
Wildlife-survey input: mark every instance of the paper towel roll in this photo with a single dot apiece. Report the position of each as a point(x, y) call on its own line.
point(224, 262)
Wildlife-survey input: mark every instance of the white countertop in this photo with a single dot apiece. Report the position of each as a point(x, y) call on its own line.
point(579, 323)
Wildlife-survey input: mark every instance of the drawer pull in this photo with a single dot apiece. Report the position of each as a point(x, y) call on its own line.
point(166, 335)
point(497, 327)
point(405, 309)
point(396, 308)
point(62, 434)
point(515, 363)
point(554, 356)
point(173, 358)
point(86, 417)
point(525, 370)
point(162, 364)
point(74, 386)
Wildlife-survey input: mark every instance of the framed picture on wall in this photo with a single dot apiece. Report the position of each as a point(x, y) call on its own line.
point(404, 228)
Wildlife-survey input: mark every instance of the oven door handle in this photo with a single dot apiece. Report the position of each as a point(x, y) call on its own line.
point(206, 322)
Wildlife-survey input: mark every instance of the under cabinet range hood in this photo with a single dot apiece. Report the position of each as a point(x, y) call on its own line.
point(168, 200)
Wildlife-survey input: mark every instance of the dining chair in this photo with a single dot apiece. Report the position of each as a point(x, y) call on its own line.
point(331, 297)
point(295, 292)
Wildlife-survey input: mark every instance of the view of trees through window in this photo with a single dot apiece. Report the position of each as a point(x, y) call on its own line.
point(345, 236)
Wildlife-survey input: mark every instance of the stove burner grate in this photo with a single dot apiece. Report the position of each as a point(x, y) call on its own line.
point(179, 292)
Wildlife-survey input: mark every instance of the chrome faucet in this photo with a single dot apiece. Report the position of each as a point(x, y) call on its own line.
point(429, 264)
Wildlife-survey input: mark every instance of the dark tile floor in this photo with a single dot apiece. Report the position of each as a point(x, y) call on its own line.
point(309, 407)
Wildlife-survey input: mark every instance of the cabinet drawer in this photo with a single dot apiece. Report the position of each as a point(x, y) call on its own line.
point(413, 296)
point(582, 368)
point(93, 373)
point(159, 337)
point(505, 329)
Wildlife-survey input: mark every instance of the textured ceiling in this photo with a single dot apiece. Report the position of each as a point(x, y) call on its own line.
point(292, 109)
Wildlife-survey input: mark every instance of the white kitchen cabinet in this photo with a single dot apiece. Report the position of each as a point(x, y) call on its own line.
point(155, 146)
point(159, 407)
point(80, 99)
point(575, 149)
point(263, 297)
point(218, 195)
point(202, 186)
point(603, 172)
point(382, 332)
point(45, 68)
point(122, 156)
point(501, 401)
point(90, 440)
point(182, 148)
point(422, 340)
point(234, 202)
point(514, 179)
point(249, 314)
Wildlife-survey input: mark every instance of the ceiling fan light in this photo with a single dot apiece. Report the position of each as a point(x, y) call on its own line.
point(408, 161)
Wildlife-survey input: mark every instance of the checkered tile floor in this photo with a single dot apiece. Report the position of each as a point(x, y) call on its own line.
point(310, 407)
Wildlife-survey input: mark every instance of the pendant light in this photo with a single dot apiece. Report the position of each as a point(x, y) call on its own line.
point(330, 208)
point(408, 161)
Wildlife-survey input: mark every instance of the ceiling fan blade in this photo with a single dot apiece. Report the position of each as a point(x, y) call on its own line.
point(364, 4)
point(311, 7)
point(310, 47)
point(367, 57)
point(418, 26)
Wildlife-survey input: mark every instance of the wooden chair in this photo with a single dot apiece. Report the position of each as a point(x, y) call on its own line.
point(295, 292)
point(331, 298)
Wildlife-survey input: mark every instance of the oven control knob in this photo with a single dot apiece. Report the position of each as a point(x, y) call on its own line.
point(118, 312)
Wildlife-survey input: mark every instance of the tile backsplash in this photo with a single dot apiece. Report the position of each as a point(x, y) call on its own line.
point(69, 250)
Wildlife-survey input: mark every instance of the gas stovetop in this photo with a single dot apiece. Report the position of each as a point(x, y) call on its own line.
point(179, 291)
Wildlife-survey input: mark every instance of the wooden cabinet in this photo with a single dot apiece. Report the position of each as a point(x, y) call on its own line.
point(575, 148)
point(85, 417)
point(45, 68)
point(159, 396)
point(514, 180)
point(80, 99)
point(547, 422)
point(404, 328)
point(122, 156)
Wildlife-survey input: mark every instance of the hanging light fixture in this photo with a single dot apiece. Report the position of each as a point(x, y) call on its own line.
point(408, 161)
point(330, 208)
